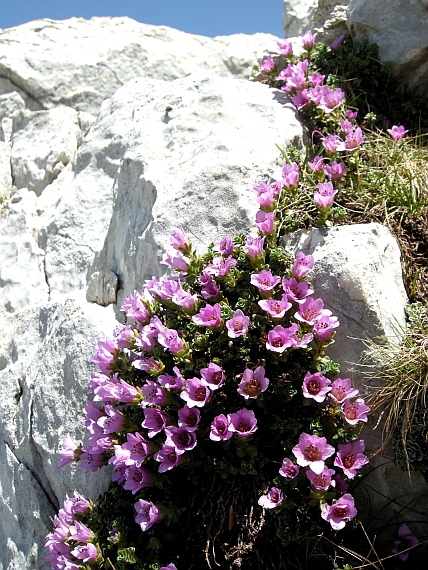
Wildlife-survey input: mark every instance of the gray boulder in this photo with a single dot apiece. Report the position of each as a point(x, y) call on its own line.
point(326, 17)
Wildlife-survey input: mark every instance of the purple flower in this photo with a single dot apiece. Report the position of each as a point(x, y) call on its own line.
point(221, 267)
point(253, 383)
point(351, 115)
point(172, 382)
point(155, 421)
point(220, 428)
point(346, 127)
point(210, 289)
point(170, 566)
point(147, 514)
point(336, 170)
point(316, 79)
point(312, 451)
point(209, 316)
point(397, 133)
point(279, 338)
point(264, 221)
point(272, 499)
point(136, 478)
point(265, 196)
point(302, 265)
point(324, 328)
point(316, 386)
point(340, 486)
point(150, 365)
point(350, 457)
point(355, 412)
point(176, 260)
point(104, 355)
point(196, 393)
point(136, 308)
point(254, 247)
point(290, 176)
point(181, 438)
point(317, 164)
point(300, 100)
point(79, 532)
point(310, 311)
point(336, 43)
point(179, 240)
point(353, 140)
point(320, 481)
point(189, 418)
point(213, 376)
point(138, 447)
point(265, 281)
point(285, 47)
point(171, 340)
point(288, 469)
point(406, 541)
point(86, 553)
point(341, 389)
point(336, 514)
point(296, 291)
point(308, 40)
point(168, 457)
point(224, 246)
point(184, 299)
point(276, 308)
point(324, 197)
point(331, 143)
point(330, 99)
point(238, 325)
point(243, 422)
point(268, 64)
point(153, 393)
point(112, 421)
point(71, 452)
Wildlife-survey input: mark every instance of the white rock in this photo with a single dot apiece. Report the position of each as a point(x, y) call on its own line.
point(9, 103)
point(326, 17)
point(400, 29)
point(79, 63)
point(43, 143)
point(358, 274)
point(297, 16)
point(5, 171)
point(102, 288)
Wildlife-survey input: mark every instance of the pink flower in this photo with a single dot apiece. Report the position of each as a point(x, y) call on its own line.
point(336, 170)
point(189, 418)
point(353, 140)
point(112, 421)
point(312, 451)
point(254, 247)
point(324, 328)
point(153, 393)
point(209, 316)
point(355, 412)
point(336, 43)
point(350, 457)
point(171, 340)
point(316, 79)
point(321, 481)
point(168, 457)
point(176, 260)
point(265, 196)
point(155, 421)
point(224, 246)
point(253, 383)
point(104, 355)
point(331, 143)
point(296, 291)
point(346, 127)
point(79, 532)
point(317, 164)
point(290, 176)
point(288, 469)
point(71, 452)
point(136, 479)
point(181, 438)
point(310, 311)
point(138, 447)
point(238, 325)
point(210, 290)
point(336, 514)
point(86, 553)
point(397, 133)
point(280, 338)
point(179, 240)
point(220, 428)
point(351, 115)
point(331, 99)
point(172, 382)
point(268, 64)
point(272, 499)
point(285, 47)
point(221, 267)
point(170, 566)
point(213, 376)
point(302, 265)
point(149, 364)
point(196, 393)
point(324, 197)
point(316, 386)
point(264, 221)
point(341, 389)
point(275, 308)
point(406, 541)
point(136, 308)
point(265, 281)
point(308, 40)
point(243, 422)
point(147, 514)
point(300, 100)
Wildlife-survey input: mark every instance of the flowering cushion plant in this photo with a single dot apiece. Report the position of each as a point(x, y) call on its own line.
point(216, 401)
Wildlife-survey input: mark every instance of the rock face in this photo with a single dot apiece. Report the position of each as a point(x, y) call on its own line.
point(79, 63)
point(400, 28)
point(326, 17)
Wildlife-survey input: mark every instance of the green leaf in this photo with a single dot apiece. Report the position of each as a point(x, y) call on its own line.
point(127, 555)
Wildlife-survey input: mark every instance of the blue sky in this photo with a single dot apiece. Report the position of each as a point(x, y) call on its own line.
point(205, 17)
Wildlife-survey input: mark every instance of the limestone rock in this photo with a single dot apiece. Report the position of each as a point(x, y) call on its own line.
point(44, 372)
point(79, 63)
point(9, 103)
point(358, 274)
point(326, 17)
point(43, 143)
point(297, 16)
point(5, 171)
point(102, 288)
point(400, 28)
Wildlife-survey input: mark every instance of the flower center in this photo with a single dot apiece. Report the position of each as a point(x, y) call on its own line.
point(339, 511)
point(312, 453)
point(243, 427)
point(216, 378)
point(314, 386)
point(351, 412)
point(277, 342)
point(252, 387)
point(349, 460)
point(191, 419)
point(321, 481)
point(200, 394)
